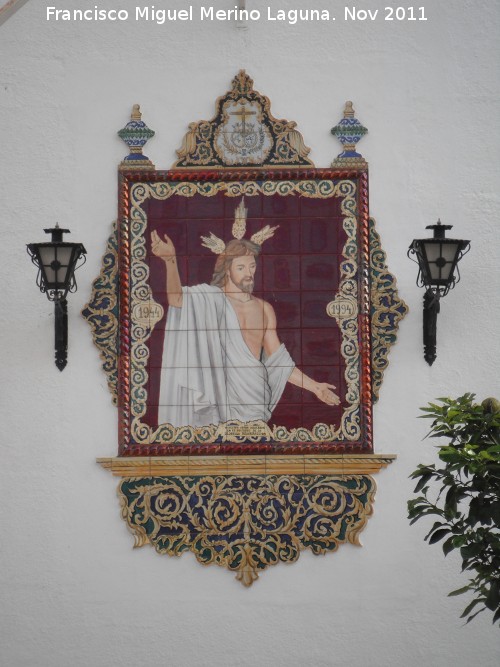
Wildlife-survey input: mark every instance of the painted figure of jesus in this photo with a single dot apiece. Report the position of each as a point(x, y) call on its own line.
point(222, 358)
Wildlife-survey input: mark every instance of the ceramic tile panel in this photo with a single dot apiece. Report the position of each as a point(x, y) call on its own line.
point(267, 372)
point(264, 328)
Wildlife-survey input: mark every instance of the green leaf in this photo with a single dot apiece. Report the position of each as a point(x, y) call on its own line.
point(470, 551)
point(422, 482)
point(459, 591)
point(450, 503)
point(436, 525)
point(449, 455)
point(449, 545)
point(493, 597)
point(438, 535)
point(459, 541)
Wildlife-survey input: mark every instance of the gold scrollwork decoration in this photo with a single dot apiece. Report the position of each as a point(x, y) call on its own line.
point(101, 312)
point(387, 310)
point(246, 523)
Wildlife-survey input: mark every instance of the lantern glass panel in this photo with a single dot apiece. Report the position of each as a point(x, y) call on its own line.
point(432, 250)
point(431, 253)
point(65, 258)
point(450, 251)
point(56, 261)
point(47, 256)
point(441, 259)
point(435, 272)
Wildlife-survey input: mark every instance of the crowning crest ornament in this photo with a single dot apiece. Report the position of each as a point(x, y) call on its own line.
point(243, 133)
point(223, 491)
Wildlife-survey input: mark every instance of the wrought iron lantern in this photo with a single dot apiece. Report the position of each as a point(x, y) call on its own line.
point(57, 262)
point(437, 260)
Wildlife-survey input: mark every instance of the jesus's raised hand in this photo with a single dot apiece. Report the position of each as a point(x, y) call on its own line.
point(163, 248)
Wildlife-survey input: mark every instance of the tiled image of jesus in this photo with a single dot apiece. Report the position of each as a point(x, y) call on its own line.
point(222, 358)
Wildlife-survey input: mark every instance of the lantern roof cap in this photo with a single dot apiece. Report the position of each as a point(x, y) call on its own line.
point(439, 229)
point(57, 233)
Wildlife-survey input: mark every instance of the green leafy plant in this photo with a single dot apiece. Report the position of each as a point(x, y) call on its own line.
point(464, 494)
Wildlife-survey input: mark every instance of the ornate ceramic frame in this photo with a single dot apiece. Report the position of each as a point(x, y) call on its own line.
point(245, 496)
point(349, 307)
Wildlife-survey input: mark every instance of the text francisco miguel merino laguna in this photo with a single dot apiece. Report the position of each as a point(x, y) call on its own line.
point(210, 13)
point(203, 13)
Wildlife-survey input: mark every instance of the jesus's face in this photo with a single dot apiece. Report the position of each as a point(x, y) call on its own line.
point(241, 273)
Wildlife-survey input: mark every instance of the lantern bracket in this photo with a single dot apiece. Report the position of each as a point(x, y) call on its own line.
point(57, 262)
point(438, 272)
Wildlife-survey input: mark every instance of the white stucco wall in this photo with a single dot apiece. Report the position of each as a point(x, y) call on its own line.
point(74, 592)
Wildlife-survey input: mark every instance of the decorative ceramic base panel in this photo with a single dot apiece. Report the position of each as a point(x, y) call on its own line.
point(247, 523)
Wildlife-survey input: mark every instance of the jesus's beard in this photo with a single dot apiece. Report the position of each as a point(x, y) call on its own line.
point(246, 285)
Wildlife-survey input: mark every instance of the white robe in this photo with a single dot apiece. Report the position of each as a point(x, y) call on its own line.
point(209, 375)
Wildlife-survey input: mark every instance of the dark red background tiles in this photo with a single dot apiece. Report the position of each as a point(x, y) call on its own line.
point(200, 269)
point(321, 236)
point(292, 339)
point(319, 207)
point(297, 273)
point(281, 206)
point(205, 208)
point(319, 272)
point(286, 239)
point(282, 272)
point(313, 307)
